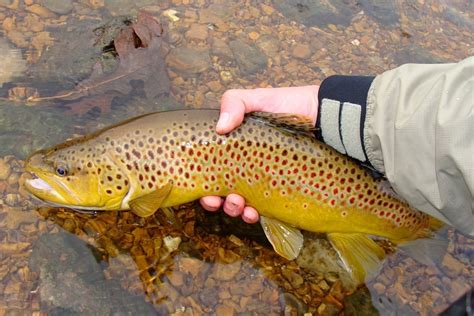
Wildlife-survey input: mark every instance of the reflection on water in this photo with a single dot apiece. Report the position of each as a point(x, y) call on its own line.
point(66, 71)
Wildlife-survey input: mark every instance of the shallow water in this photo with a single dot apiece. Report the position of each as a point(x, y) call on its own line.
point(60, 77)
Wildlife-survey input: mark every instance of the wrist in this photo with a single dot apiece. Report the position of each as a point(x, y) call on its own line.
point(342, 109)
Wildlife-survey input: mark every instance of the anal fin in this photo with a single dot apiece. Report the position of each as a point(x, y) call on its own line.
point(361, 255)
point(286, 240)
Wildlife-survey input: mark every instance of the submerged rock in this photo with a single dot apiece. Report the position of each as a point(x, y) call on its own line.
point(383, 11)
point(416, 54)
point(188, 61)
point(72, 281)
point(58, 6)
point(317, 13)
point(249, 59)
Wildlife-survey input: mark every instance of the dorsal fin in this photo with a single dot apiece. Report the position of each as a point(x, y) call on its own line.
point(292, 123)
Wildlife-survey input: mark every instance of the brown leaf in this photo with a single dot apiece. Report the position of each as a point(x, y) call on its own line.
point(141, 70)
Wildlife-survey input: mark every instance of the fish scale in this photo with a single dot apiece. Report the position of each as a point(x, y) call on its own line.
point(176, 157)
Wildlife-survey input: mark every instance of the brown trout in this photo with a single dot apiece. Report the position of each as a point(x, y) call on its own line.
point(170, 158)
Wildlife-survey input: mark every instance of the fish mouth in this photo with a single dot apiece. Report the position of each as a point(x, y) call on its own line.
point(38, 184)
point(43, 190)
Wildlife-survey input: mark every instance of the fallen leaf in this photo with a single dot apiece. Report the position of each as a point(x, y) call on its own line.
point(140, 72)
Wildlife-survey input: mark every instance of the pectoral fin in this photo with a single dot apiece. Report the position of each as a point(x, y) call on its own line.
point(148, 204)
point(286, 240)
point(360, 254)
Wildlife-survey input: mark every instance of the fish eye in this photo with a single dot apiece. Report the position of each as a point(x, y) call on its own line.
point(61, 171)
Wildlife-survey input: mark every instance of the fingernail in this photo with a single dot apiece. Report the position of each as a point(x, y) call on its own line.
point(223, 120)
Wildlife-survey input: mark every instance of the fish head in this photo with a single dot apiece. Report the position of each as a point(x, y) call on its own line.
point(80, 176)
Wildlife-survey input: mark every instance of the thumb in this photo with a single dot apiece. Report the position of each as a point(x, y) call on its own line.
point(232, 111)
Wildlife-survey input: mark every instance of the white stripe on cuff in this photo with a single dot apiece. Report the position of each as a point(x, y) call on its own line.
point(330, 124)
point(350, 130)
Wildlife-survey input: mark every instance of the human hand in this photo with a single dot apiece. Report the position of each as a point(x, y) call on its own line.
point(234, 105)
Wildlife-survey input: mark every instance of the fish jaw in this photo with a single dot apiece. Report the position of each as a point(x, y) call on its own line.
point(48, 190)
point(71, 191)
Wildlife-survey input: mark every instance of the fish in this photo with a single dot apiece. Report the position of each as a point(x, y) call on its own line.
point(296, 182)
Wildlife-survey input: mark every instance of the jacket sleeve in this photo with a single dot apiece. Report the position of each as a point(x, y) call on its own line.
point(416, 125)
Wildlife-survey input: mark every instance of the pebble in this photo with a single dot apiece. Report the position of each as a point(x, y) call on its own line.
point(197, 32)
point(33, 23)
point(58, 6)
point(215, 86)
point(268, 10)
point(301, 51)
point(249, 59)
point(6, 3)
point(226, 272)
point(191, 265)
point(225, 310)
point(254, 36)
point(188, 61)
point(226, 76)
point(269, 44)
point(295, 279)
point(220, 48)
point(172, 243)
point(5, 168)
point(9, 23)
point(379, 288)
point(40, 11)
point(176, 279)
point(452, 264)
point(211, 16)
point(12, 199)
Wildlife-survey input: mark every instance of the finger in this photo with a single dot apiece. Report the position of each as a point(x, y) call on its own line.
point(234, 205)
point(232, 111)
point(211, 203)
point(250, 215)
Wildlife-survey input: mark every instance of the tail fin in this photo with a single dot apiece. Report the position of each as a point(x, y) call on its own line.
point(431, 250)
